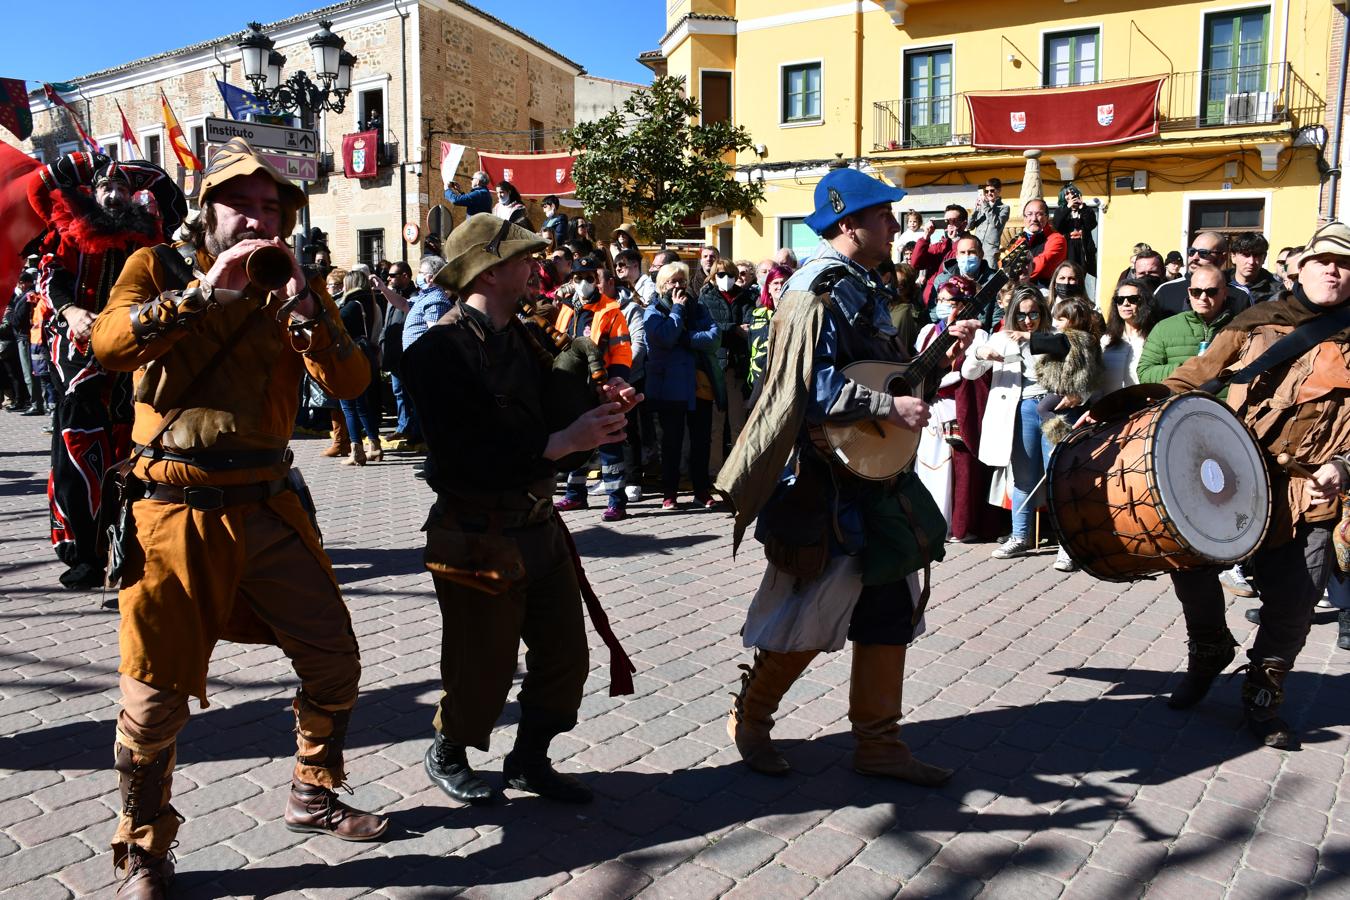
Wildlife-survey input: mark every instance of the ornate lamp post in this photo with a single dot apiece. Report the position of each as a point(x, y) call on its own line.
point(299, 94)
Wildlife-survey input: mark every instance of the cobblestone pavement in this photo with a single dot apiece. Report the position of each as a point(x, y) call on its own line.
point(1073, 778)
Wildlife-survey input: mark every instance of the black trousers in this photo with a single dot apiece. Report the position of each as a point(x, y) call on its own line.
point(85, 443)
point(675, 417)
point(1289, 579)
point(481, 636)
point(884, 615)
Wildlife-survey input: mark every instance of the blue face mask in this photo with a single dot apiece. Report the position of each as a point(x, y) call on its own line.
point(942, 311)
point(968, 265)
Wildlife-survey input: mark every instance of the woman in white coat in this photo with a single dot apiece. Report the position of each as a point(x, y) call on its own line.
point(1010, 433)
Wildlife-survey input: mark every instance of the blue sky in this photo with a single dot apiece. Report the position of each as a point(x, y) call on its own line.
point(605, 36)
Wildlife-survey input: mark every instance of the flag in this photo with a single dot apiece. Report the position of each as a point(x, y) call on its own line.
point(533, 174)
point(186, 158)
point(241, 103)
point(360, 154)
point(451, 154)
point(53, 91)
point(20, 222)
point(14, 111)
point(128, 135)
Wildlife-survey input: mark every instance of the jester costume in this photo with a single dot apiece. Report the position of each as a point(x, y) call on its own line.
point(83, 250)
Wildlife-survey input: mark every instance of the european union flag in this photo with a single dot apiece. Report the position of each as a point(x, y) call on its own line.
point(241, 103)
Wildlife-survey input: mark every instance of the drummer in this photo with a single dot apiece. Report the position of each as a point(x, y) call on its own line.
point(1300, 408)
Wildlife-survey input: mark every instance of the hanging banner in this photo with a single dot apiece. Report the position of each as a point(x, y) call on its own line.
point(360, 154)
point(1055, 118)
point(533, 174)
point(451, 155)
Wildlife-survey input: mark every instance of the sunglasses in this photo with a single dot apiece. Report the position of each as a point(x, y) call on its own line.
point(1126, 299)
point(1026, 315)
point(1210, 292)
point(1203, 253)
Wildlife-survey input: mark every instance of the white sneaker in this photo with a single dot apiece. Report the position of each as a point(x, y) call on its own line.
point(1325, 602)
point(1065, 563)
point(633, 492)
point(1012, 547)
point(1234, 583)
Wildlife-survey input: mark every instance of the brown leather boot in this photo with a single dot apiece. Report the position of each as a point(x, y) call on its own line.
point(147, 825)
point(376, 451)
point(762, 688)
point(1208, 655)
point(1262, 694)
point(148, 877)
point(342, 444)
point(313, 807)
point(874, 707)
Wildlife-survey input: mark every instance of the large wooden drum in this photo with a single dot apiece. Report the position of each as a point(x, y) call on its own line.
point(1177, 484)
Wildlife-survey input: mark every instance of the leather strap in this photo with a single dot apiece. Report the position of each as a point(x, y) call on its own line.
point(218, 460)
point(208, 497)
point(621, 668)
point(1291, 346)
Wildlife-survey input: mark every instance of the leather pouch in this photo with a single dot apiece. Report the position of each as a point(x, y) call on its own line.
point(794, 527)
point(485, 562)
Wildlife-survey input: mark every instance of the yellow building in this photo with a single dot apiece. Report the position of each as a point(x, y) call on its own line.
point(1243, 115)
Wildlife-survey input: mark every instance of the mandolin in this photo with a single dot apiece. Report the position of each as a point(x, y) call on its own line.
point(875, 449)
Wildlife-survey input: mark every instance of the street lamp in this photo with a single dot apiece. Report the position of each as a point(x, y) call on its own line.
point(332, 66)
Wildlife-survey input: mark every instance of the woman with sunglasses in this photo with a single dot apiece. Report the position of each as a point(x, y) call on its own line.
point(1010, 431)
point(1127, 327)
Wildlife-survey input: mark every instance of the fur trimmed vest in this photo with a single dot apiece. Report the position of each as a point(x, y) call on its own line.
point(1080, 374)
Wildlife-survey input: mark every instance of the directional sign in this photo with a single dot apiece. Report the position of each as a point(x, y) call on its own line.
point(296, 168)
point(299, 141)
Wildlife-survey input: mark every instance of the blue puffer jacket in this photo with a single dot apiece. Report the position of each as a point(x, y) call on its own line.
point(680, 341)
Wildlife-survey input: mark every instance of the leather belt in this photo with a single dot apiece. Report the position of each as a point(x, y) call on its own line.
point(218, 460)
point(208, 497)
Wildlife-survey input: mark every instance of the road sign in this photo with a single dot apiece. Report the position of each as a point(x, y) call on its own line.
point(300, 141)
point(296, 168)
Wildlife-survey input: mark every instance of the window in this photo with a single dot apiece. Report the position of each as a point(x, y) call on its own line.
point(1233, 82)
point(150, 143)
point(536, 136)
point(68, 147)
point(794, 233)
point(715, 97)
point(801, 93)
point(1071, 57)
point(198, 141)
point(370, 246)
point(39, 154)
point(1227, 216)
point(370, 111)
point(927, 104)
point(111, 146)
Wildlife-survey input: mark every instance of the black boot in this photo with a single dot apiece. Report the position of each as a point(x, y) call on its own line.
point(1343, 639)
point(1262, 694)
point(447, 765)
point(1209, 655)
point(527, 767)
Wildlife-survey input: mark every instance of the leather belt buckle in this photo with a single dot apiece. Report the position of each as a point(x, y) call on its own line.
point(204, 498)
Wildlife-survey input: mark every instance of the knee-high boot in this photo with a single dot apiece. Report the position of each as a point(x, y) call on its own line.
point(147, 825)
point(762, 688)
point(874, 707)
point(341, 441)
point(320, 737)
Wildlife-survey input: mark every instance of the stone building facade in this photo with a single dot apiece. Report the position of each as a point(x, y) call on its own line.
point(428, 70)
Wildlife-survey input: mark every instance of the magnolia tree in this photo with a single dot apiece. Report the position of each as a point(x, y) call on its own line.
point(646, 157)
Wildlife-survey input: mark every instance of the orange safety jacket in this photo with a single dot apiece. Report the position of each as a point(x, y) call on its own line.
point(608, 330)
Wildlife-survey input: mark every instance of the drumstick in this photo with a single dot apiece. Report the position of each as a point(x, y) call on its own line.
point(1294, 467)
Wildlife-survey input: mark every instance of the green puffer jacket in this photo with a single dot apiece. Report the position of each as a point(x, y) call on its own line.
point(1175, 340)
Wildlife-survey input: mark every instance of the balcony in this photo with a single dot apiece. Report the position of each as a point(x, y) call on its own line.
point(1215, 98)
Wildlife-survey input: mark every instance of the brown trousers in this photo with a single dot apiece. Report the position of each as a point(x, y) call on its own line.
point(257, 557)
point(481, 635)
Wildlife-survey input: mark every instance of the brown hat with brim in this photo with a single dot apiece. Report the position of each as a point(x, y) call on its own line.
point(237, 158)
point(1332, 239)
point(483, 241)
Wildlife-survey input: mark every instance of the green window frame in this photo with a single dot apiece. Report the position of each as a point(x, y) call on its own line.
point(1072, 57)
point(928, 97)
point(1235, 61)
point(801, 92)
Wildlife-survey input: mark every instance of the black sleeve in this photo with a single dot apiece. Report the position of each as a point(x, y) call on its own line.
point(1047, 343)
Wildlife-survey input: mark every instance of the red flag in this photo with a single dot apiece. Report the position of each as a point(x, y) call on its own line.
point(128, 135)
point(19, 221)
point(533, 174)
point(1087, 116)
point(360, 153)
point(56, 98)
point(15, 113)
point(186, 158)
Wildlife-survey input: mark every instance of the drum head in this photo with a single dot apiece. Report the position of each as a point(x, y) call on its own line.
point(1211, 479)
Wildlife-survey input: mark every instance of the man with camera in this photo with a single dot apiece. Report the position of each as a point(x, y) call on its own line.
point(989, 218)
point(930, 256)
point(222, 546)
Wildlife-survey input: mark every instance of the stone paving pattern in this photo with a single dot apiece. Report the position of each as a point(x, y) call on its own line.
point(1044, 690)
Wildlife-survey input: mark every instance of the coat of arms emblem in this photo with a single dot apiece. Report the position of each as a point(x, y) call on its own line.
point(1018, 121)
point(508, 174)
point(1106, 114)
point(359, 154)
point(560, 175)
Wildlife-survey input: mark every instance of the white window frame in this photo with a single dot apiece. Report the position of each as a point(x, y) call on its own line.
point(369, 84)
point(731, 78)
point(68, 147)
point(803, 123)
point(1047, 33)
point(144, 137)
point(39, 154)
point(112, 140)
point(187, 125)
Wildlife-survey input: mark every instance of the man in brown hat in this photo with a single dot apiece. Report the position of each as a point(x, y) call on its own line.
point(223, 546)
point(499, 555)
point(1299, 406)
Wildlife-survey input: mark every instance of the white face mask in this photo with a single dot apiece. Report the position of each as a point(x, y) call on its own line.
point(422, 281)
point(724, 283)
point(586, 289)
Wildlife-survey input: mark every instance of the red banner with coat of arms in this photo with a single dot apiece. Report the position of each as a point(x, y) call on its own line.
point(360, 154)
point(533, 174)
point(1054, 118)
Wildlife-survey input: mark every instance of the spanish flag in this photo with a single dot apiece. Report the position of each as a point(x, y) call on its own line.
point(186, 158)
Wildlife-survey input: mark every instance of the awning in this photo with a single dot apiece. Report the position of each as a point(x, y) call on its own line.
point(1057, 118)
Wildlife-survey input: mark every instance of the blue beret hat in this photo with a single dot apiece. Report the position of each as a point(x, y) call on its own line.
point(846, 191)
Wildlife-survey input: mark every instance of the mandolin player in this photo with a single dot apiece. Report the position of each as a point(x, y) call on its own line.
point(844, 552)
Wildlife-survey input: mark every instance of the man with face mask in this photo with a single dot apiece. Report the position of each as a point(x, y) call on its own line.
point(591, 314)
point(969, 262)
